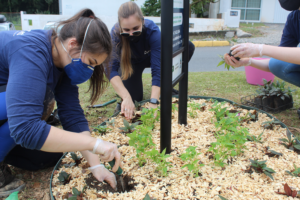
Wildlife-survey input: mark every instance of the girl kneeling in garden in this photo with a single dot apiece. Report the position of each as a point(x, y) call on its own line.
point(37, 68)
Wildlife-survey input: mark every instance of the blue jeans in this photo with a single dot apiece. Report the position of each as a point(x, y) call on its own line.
point(286, 71)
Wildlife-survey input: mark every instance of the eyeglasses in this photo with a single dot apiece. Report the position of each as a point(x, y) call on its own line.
point(135, 33)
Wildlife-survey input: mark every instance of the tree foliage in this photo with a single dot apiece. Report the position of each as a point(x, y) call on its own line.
point(151, 8)
point(198, 6)
point(30, 6)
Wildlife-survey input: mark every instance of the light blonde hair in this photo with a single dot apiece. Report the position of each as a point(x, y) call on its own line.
point(125, 11)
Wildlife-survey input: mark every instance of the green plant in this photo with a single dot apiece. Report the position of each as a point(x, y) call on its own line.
point(191, 156)
point(261, 167)
point(64, 177)
point(265, 90)
point(141, 140)
point(102, 129)
point(174, 107)
point(272, 153)
point(270, 124)
point(150, 116)
point(161, 160)
point(111, 123)
point(76, 158)
point(128, 128)
point(223, 62)
point(222, 198)
point(295, 172)
point(77, 195)
point(253, 138)
point(289, 143)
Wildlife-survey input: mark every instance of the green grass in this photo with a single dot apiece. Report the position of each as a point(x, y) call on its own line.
point(253, 29)
point(18, 27)
point(229, 85)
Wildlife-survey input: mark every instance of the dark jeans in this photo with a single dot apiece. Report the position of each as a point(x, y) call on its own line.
point(18, 156)
point(134, 83)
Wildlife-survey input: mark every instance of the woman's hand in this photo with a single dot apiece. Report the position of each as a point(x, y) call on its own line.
point(127, 107)
point(247, 50)
point(230, 60)
point(108, 151)
point(102, 174)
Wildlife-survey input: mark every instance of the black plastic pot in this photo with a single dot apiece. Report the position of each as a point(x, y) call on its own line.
point(190, 97)
point(268, 103)
point(258, 102)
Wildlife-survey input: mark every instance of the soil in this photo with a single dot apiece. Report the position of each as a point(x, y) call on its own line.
point(129, 184)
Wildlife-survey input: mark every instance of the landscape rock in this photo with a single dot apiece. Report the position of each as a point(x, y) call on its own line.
point(229, 34)
point(242, 34)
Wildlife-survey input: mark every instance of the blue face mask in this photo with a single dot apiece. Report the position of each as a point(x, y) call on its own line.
point(78, 71)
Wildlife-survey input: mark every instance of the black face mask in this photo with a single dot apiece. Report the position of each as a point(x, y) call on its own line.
point(290, 5)
point(134, 38)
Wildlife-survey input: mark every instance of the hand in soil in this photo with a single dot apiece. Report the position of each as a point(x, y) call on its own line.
point(103, 174)
point(109, 151)
point(127, 107)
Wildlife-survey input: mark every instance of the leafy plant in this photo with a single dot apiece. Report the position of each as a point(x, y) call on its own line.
point(147, 197)
point(223, 62)
point(174, 108)
point(191, 156)
point(270, 124)
point(76, 158)
point(102, 129)
point(141, 140)
point(128, 128)
point(261, 167)
point(150, 116)
point(220, 111)
point(265, 90)
point(64, 177)
point(160, 160)
point(192, 113)
point(77, 195)
point(290, 143)
point(253, 138)
point(222, 198)
point(295, 172)
point(272, 153)
point(111, 123)
point(288, 191)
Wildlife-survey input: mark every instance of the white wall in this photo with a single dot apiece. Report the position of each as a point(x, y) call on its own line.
point(99, 7)
point(267, 11)
point(225, 5)
point(39, 21)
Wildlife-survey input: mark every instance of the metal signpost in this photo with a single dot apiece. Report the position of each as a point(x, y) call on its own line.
point(174, 64)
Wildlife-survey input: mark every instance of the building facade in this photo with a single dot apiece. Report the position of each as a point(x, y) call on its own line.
point(267, 11)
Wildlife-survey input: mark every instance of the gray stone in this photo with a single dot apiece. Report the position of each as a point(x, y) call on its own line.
point(242, 34)
point(229, 34)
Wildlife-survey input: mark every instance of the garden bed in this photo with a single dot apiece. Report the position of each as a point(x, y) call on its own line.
point(234, 180)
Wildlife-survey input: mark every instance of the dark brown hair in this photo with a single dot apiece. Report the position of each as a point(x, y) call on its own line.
point(126, 10)
point(97, 41)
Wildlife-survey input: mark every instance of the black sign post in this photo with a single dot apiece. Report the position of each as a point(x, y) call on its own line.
point(174, 64)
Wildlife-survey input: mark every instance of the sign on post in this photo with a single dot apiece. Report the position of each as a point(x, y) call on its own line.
point(174, 64)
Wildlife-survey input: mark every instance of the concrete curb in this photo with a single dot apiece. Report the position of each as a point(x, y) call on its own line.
point(210, 43)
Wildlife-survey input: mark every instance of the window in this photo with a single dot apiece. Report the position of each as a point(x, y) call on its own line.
point(250, 9)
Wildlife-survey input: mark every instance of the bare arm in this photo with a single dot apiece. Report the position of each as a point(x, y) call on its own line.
point(155, 93)
point(64, 141)
point(286, 54)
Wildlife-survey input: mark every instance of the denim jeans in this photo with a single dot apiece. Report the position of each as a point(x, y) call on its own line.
point(286, 71)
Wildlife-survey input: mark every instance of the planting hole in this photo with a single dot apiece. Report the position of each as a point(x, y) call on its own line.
point(129, 184)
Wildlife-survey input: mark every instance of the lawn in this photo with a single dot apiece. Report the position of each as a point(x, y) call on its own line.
point(252, 28)
point(230, 85)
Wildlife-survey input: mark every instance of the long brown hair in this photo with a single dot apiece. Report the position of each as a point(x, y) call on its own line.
point(97, 41)
point(126, 10)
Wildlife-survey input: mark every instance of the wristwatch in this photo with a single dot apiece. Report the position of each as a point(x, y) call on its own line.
point(154, 101)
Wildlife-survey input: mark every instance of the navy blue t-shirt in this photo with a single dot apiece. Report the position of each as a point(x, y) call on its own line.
point(291, 32)
point(26, 66)
point(145, 52)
